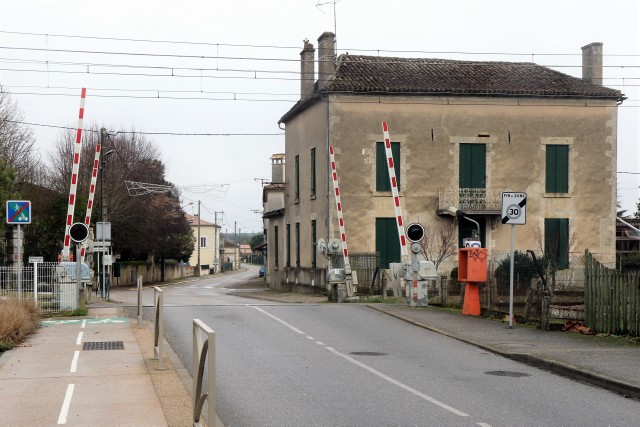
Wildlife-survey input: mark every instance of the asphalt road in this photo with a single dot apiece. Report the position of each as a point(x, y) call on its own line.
point(347, 365)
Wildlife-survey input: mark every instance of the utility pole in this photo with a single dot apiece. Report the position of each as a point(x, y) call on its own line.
point(216, 249)
point(103, 140)
point(199, 243)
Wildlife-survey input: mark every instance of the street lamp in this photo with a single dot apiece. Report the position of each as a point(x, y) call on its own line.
point(459, 214)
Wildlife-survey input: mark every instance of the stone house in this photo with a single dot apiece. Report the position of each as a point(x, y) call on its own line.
point(462, 133)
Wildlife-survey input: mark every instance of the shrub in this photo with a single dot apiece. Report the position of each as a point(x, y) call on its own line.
point(524, 270)
point(18, 319)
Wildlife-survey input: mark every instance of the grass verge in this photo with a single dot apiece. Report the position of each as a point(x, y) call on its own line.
point(18, 319)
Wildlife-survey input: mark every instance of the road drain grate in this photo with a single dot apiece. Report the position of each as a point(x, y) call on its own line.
point(103, 345)
point(507, 374)
point(367, 353)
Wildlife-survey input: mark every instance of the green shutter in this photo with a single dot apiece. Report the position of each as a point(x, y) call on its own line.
point(275, 246)
point(556, 241)
point(297, 244)
point(297, 176)
point(387, 241)
point(472, 166)
point(313, 243)
point(313, 172)
point(557, 169)
point(288, 245)
point(382, 171)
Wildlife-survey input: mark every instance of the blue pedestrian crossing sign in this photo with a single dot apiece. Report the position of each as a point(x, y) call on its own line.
point(18, 212)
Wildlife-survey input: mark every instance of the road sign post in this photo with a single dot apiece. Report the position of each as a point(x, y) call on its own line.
point(513, 212)
point(19, 212)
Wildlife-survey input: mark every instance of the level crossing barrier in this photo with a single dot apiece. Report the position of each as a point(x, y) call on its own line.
point(204, 347)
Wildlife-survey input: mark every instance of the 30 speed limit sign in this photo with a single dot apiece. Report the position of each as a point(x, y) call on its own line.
point(514, 208)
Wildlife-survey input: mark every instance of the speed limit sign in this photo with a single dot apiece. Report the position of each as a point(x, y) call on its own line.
point(514, 208)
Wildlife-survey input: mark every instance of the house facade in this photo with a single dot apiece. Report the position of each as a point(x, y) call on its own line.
point(208, 245)
point(461, 133)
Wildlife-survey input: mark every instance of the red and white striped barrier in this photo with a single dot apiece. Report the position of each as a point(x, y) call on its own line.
point(404, 254)
point(394, 192)
point(92, 193)
point(74, 178)
point(336, 188)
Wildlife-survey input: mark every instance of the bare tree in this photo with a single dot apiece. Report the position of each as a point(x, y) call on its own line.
point(16, 142)
point(439, 243)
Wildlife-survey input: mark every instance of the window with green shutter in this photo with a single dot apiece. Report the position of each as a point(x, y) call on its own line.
point(382, 170)
point(472, 166)
point(297, 244)
point(387, 241)
point(288, 245)
point(313, 243)
point(556, 241)
point(557, 176)
point(313, 172)
point(297, 177)
point(275, 246)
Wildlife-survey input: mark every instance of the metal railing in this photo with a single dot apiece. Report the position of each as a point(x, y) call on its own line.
point(158, 325)
point(204, 347)
point(471, 200)
point(49, 285)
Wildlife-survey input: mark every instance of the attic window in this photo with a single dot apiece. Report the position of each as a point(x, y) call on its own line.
point(484, 135)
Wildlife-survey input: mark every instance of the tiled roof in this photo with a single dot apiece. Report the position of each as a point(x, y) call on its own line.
point(358, 74)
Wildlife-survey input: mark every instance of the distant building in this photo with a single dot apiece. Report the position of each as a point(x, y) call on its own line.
point(209, 244)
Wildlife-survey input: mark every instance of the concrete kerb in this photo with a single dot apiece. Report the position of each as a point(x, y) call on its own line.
point(560, 368)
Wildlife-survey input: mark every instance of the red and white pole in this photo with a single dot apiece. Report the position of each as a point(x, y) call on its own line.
point(343, 235)
point(92, 193)
point(404, 254)
point(74, 178)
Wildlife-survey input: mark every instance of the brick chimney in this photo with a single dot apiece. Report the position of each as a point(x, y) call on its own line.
point(307, 69)
point(592, 63)
point(326, 58)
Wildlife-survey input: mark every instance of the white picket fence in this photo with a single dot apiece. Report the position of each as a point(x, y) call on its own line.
point(46, 285)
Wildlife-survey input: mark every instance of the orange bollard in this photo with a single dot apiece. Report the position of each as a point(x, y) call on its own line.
point(471, 306)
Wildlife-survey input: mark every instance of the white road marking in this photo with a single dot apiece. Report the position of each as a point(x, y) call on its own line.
point(74, 362)
point(309, 337)
point(320, 343)
point(64, 411)
point(484, 425)
point(79, 340)
point(398, 383)
point(293, 328)
point(84, 323)
point(373, 371)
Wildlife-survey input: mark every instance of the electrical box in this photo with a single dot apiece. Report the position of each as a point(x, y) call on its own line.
point(472, 264)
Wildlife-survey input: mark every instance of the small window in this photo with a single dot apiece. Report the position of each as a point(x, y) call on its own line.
point(203, 241)
point(557, 168)
point(382, 169)
point(275, 246)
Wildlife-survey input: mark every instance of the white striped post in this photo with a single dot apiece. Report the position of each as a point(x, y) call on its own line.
point(404, 254)
point(74, 178)
point(92, 193)
point(343, 235)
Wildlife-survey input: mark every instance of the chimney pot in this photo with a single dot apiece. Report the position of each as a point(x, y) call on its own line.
point(307, 69)
point(326, 58)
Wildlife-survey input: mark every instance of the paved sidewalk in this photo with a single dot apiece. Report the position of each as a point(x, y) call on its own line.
point(90, 371)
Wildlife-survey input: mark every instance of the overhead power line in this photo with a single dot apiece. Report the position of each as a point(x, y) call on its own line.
point(267, 46)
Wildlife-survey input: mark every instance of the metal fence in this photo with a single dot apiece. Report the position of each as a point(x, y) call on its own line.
point(366, 266)
point(47, 285)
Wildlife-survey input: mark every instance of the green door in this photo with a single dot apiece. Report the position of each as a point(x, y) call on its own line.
point(473, 166)
point(387, 241)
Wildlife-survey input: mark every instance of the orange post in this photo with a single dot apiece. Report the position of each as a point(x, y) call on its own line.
point(472, 269)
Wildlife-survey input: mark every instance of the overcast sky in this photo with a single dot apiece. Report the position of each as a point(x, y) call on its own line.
point(238, 72)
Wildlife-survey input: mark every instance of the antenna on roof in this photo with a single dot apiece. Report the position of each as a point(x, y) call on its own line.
point(335, 21)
